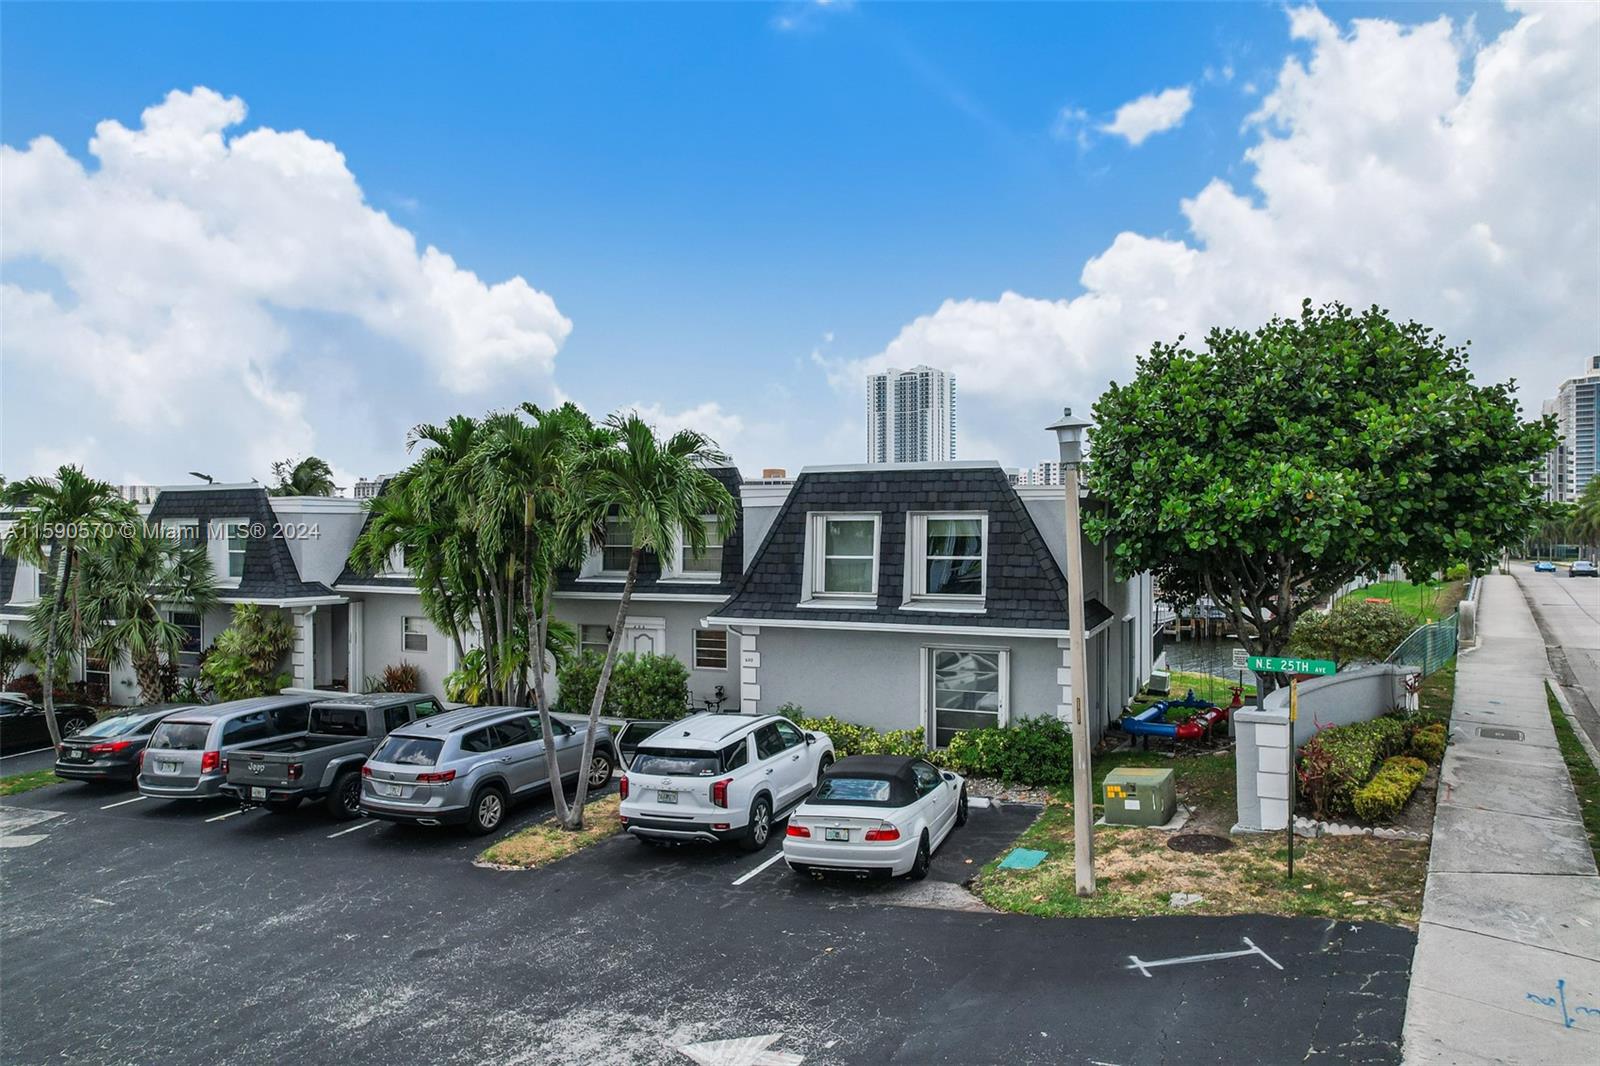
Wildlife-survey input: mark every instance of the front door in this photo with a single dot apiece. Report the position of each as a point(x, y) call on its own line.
point(645, 636)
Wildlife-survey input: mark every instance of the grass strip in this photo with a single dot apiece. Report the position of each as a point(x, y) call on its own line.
point(1585, 777)
point(545, 843)
point(10, 786)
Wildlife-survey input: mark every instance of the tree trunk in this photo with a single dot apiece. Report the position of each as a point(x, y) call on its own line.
point(49, 685)
point(575, 819)
point(147, 668)
point(552, 769)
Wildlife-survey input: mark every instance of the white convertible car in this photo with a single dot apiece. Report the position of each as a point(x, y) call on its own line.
point(879, 815)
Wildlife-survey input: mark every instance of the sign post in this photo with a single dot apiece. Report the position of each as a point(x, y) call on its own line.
point(1295, 668)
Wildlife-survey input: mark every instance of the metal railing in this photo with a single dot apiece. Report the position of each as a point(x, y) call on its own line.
point(1429, 646)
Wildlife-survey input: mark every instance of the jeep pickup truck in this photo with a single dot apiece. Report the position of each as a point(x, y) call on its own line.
point(325, 762)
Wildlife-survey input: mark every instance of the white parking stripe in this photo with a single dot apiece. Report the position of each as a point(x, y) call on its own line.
point(230, 814)
point(124, 803)
point(776, 858)
point(20, 754)
point(352, 829)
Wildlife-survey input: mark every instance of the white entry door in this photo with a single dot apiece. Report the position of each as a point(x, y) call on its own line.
point(645, 636)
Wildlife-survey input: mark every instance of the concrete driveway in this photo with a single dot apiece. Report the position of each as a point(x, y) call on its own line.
point(136, 930)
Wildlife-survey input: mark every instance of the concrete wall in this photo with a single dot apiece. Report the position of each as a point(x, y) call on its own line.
point(381, 627)
point(876, 679)
point(682, 619)
point(319, 533)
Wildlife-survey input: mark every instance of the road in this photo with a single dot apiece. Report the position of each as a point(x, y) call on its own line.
point(146, 931)
point(1568, 612)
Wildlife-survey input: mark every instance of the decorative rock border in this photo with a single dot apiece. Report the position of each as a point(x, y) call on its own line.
point(1310, 827)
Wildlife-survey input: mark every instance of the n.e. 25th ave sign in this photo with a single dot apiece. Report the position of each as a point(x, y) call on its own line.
point(1273, 664)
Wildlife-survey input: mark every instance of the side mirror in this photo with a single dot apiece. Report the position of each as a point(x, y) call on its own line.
point(811, 738)
point(948, 776)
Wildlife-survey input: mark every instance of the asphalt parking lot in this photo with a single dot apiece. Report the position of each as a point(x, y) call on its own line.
point(139, 930)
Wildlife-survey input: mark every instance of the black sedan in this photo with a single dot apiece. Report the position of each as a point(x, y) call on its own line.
point(109, 750)
point(22, 725)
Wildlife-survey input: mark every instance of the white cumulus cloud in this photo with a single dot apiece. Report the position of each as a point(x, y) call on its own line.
point(203, 295)
point(1389, 164)
point(1150, 114)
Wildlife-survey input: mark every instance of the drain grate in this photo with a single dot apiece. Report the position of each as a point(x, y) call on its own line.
point(1199, 843)
point(1496, 732)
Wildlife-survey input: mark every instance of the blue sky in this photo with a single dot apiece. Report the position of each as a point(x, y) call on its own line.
point(709, 193)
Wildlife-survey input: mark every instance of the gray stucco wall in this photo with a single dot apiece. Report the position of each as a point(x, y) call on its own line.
point(382, 628)
point(331, 528)
point(682, 619)
point(876, 679)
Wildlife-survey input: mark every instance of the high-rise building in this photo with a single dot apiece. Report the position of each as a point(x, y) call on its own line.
point(367, 488)
point(1575, 460)
point(911, 416)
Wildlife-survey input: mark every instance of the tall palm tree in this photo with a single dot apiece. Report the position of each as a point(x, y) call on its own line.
point(309, 477)
point(662, 491)
point(58, 515)
point(398, 525)
point(129, 582)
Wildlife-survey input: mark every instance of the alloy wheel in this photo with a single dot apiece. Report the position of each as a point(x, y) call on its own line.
point(599, 771)
point(760, 824)
point(489, 810)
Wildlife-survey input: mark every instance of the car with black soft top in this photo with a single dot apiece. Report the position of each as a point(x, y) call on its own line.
point(324, 764)
point(109, 750)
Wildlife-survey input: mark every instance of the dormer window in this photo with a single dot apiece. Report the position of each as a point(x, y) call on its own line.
point(844, 555)
point(618, 548)
point(707, 563)
point(238, 538)
point(948, 552)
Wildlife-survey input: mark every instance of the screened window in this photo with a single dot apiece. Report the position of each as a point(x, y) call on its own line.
point(415, 637)
point(951, 555)
point(97, 679)
point(707, 563)
point(593, 638)
point(189, 650)
point(846, 555)
point(618, 545)
point(968, 689)
point(238, 537)
point(711, 649)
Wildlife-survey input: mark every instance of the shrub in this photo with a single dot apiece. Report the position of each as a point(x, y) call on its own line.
point(1390, 787)
point(1428, 742)
point(243, 661)
point(642, 686)
point(1458, 572)
point(398, 677)
point(1353, 631)
point(852, 739)
point(1339, 760)
point(1031, 751)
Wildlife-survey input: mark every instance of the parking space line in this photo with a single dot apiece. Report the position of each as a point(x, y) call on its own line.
point(758, 869)
point(20, 754)
point(352, 829)
point(124, 803)
point(230, 814)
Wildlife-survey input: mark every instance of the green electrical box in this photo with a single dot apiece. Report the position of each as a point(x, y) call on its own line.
point(1137, 795)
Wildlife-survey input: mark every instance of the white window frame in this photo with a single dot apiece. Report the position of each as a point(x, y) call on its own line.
point(677, 570)
point(174, 530)
point(816, 546)
point(727, 652)
point(606, 542)
point(929, 722)
point(917, 562)
point(190, 670)
point(601, 646)
point(406, 633)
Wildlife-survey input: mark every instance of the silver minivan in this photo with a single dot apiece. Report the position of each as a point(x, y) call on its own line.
point(468, 767)
point(187, 754)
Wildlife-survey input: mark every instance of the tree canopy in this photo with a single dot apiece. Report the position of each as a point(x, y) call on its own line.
point(1270, 467)
point(310, 476)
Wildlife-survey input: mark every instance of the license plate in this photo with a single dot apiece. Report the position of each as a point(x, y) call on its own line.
point(75, 753)
point(666, 797)
point(836, 834)
point(257, 792)
point(166, 767)
point(384, 789)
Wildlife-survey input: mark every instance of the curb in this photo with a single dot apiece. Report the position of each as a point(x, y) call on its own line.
point(1572, 720)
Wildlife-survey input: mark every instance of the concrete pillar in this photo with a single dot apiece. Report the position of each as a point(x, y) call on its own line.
point(749, 664)
point(1064, 679)
point(303, 657)
point(356, 658)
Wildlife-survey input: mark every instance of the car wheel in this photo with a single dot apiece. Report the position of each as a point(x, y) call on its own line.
point(488, 810)
point(822, 766)
point(760, 827)
point(73, 726)
point(961, 807)
point(282, 806)
point(919, 865)
point(344, 800)
point(600, 769)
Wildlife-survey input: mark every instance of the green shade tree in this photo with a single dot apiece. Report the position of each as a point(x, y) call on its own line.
point(1270, 467)
point(57, 517)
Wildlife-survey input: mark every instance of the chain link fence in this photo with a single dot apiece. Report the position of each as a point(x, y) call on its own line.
point(1428, 647)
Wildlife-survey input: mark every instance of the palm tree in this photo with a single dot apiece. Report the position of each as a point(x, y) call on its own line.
point(661, 491)
point(58, 515)
point(309, 477)
point(1586, 515)
point(129, 582)
point(13, 653)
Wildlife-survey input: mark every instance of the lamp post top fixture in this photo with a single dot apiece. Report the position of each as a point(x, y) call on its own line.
point(1069, 434)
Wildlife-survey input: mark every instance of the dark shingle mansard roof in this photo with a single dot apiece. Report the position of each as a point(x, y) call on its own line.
point(269, 569)
point(8, 581)
point(350, 576)
point(1025, 588)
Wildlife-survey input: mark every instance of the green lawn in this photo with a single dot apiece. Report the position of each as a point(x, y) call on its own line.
point(1429, 601)
point(1585, 778)
point(10, 786)
point(1211, 687)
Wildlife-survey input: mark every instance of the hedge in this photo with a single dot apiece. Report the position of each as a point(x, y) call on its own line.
point(642, 686)
point(1033, 751)
point(1383, 796)
point(1339, 760)
point(1428, 742)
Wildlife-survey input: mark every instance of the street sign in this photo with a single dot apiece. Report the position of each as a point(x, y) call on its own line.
point(1273, 664)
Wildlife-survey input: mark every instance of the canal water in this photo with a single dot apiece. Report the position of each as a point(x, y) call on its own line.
point(1204, 655)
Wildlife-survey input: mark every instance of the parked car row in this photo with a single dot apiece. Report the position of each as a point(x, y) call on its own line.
point(22, 724)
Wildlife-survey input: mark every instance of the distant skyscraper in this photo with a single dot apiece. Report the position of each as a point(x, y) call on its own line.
point(367, 488)
point(911, 416)
point(1575, 460)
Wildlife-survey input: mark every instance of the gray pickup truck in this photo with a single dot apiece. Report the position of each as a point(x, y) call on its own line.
point(325, 762)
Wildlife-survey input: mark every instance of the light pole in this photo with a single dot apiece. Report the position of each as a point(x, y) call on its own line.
point(1069, 433)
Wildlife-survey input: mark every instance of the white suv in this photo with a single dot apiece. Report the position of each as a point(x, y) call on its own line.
point(721, 777)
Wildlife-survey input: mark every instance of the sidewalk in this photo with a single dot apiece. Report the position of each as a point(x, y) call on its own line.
point(1507, 967)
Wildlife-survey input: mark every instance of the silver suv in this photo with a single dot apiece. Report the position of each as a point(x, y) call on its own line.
point(468, 767)
point(187, 754)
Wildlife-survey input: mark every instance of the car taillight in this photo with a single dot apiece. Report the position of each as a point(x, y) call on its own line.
point(211, 762)
point(622, 787)
point(884, 831)
point(438, 778)
point(797, 830)
point(366, 771)
point(719, 792)
point(295, 770)
point(108, 748)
